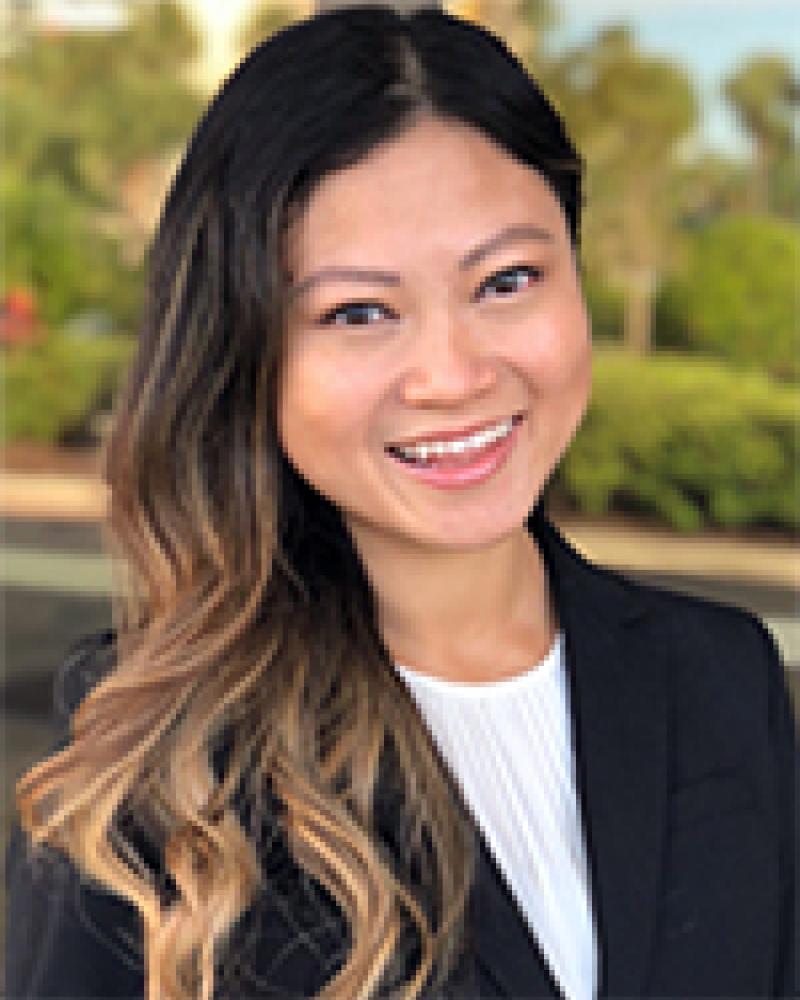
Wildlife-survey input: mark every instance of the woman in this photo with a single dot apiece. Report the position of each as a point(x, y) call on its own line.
point(367, 725)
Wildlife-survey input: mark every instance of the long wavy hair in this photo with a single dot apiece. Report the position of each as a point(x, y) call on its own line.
point(243, 617)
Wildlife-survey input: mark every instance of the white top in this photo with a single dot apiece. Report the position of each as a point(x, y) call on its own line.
point(509, 745)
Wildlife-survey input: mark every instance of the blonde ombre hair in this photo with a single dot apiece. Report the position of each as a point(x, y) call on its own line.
point(243, 618)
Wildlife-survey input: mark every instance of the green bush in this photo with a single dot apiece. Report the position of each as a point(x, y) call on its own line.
point(687, 441)
point(671, 317)
point(52, 249)
point(737, 298)
point(52, 389)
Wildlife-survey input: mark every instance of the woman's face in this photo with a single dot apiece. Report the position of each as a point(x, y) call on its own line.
point(433, 287)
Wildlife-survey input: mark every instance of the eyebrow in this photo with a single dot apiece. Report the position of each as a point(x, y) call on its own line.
point(510, 234)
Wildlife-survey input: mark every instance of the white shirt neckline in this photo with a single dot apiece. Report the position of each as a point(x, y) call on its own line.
point(505, 687)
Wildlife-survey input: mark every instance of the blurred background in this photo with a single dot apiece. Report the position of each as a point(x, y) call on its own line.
point(685, 471)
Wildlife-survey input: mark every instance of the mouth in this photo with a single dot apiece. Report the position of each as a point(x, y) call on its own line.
point(449, 450)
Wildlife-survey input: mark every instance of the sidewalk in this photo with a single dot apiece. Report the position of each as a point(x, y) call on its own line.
point(58, 496)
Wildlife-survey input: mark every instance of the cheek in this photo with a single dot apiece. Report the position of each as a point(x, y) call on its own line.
point(324, 397)
point(293, 401)
point(302, 405)
point(556, 348)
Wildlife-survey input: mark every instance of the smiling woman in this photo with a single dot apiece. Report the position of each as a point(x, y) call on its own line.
point(367, 725)
point(470, 313)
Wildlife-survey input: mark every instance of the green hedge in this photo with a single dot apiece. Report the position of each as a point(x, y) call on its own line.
point(688, 441)
point(53, 250)
point(52, 389)
point(736, 300)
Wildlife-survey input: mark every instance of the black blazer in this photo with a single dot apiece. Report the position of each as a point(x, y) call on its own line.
point(687, 779)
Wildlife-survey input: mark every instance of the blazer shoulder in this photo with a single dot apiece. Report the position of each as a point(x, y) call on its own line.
point(713, 625)
point(69, 937)
point(715, 652)
point(699, 618)
point(86, 662)
point(65, 937)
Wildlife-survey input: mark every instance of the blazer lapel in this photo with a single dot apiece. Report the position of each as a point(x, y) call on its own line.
point(617, 683)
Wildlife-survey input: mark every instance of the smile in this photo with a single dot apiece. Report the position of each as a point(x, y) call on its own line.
point(461, 462)
point(466, 447)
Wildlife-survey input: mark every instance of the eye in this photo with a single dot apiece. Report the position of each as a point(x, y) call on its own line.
point(360, 312)
point(506, 281)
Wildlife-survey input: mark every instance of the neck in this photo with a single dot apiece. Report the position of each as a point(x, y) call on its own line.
point(481, 613)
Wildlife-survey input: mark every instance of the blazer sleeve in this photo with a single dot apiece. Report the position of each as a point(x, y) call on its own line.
point(68, 938)
point(784, 738)
point(65, 937)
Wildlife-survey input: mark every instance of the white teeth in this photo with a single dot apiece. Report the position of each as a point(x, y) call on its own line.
point(473, 442)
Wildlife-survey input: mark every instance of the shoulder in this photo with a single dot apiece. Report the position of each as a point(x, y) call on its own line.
point(721, 665)
point(698, 625)
point(68, 937)
point(727, 682)
point(65, 934)
point(691, 626)
point(724, 642)
point(85, 662)
point(725, 636)
point(709, 625)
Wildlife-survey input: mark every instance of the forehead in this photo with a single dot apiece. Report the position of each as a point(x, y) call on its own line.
point(443, 183)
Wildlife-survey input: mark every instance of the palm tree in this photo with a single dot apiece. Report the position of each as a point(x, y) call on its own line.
point(765, 94)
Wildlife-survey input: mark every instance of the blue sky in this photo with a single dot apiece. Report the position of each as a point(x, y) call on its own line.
point(709, 37)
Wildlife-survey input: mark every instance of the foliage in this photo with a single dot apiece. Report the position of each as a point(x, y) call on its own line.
point(52, 248)
point(765, 91)
point(765, 95)
point(737, 297)
point(86, 106)
point(606, 308)
point(783, 180)
point(266, 19)
point(82, 111)
point(688, 442)
point(670, 317)
point(711, 184)
point(627, 110)
point(52, 389)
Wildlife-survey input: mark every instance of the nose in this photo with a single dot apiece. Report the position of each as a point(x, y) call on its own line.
point(448, 363)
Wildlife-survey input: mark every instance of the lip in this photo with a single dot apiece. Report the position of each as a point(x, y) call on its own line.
point(453, 435)
point(455, 477)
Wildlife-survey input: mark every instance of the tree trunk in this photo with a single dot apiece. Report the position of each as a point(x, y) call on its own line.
point(759, 189)
point(639, 293)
